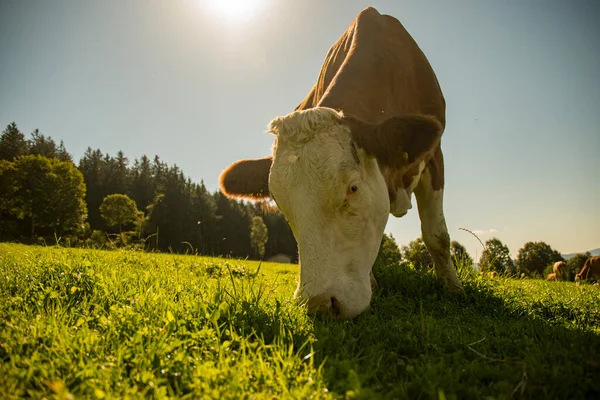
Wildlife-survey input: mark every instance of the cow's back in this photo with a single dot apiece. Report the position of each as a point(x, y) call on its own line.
point(591, 268)
point(376, 71)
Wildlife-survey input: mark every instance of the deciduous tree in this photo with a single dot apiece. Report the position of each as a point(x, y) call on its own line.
point(534, 257)
point(389, 252)
point(496, 257)
point(417, 254)
point(258, 236)
point(118, 210)
point(48, 192)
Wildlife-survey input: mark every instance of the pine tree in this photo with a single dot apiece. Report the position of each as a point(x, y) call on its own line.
point(12, 143)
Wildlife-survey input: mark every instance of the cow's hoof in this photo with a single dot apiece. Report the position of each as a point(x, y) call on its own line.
point(454, 286)
point(458, 289)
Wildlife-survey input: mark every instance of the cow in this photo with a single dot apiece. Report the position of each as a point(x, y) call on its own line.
point(560, 270)
point(590, 270)
point(365, 138)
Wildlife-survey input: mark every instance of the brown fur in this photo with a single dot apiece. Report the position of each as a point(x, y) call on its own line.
point(414, 135)
point(376, 46)
point(245, 179)
point(560, 270)
point(375, 71)
point(551, 277)
point(590, 270)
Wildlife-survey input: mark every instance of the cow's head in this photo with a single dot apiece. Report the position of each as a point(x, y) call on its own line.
point(325, 176)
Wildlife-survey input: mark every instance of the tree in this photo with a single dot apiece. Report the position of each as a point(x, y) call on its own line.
point(46, 146)
point(575, 263)
point(48, 192)
point(281, 239)
point(496, 258)
point(67, 200)
point(12, 143)
point(258, 236)
point(142, 183)
point(118, 210)
point(204, 210)
point(233, 226)
point(7, 191)
point(93, 168)
point(41, 145)
point(389, 252)
point(103, 175)
point(417, 254)
point(534, 257)
point(171, 213)
point(459, 255)
point(6, 185)
point(119, 173)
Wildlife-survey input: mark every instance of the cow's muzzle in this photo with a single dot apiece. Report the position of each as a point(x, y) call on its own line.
point(327, 307)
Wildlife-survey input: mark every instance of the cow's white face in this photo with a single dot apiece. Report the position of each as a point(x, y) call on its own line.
point(336, 202)
point(325, 177)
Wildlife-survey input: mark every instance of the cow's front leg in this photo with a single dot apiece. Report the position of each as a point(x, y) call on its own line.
point(434, 230)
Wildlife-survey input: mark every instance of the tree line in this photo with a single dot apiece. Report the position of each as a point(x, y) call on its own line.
point(108, 201)
point(534, 259)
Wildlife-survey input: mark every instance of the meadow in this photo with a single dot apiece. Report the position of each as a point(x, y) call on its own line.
point(78, 323)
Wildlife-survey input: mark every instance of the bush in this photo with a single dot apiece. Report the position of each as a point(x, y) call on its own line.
point(98, 239)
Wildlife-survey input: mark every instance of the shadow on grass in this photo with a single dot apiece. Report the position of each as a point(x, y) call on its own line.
point(418, 341)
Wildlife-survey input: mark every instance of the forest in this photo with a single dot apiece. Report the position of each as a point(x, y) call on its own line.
point(108, 201)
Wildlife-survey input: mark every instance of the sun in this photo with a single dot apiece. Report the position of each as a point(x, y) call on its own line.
point(233, 10)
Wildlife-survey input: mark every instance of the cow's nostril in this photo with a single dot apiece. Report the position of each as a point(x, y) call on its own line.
point(325, 307)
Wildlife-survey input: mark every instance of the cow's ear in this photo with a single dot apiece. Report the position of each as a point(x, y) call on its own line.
point(247, 179)
point(398, 141)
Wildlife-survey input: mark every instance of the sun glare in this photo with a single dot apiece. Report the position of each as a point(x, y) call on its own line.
point(233, 10)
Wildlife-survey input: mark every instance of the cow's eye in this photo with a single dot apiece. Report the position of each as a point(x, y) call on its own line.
point(353, 189)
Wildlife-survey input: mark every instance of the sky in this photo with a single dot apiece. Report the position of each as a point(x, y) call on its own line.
point(197, 82)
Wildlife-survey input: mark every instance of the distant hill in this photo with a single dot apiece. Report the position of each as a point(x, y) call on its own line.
point(595, 252)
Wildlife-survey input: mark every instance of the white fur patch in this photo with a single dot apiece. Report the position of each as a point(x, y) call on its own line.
point(301, 126)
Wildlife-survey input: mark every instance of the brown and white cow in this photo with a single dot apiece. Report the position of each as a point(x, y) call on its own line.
point(590, 270)
point(560, 270)
point(365, 138)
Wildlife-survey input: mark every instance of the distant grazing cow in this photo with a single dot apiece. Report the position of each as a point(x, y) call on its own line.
point(365, 138)
point(590, 270)
point(551, 277)
point(560, 270)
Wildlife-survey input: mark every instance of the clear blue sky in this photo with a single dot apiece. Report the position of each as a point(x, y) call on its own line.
point(198, 86)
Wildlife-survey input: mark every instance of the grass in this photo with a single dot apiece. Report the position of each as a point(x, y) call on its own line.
point(93, 324)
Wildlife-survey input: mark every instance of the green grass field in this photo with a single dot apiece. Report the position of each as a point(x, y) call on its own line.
point(95, 324)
